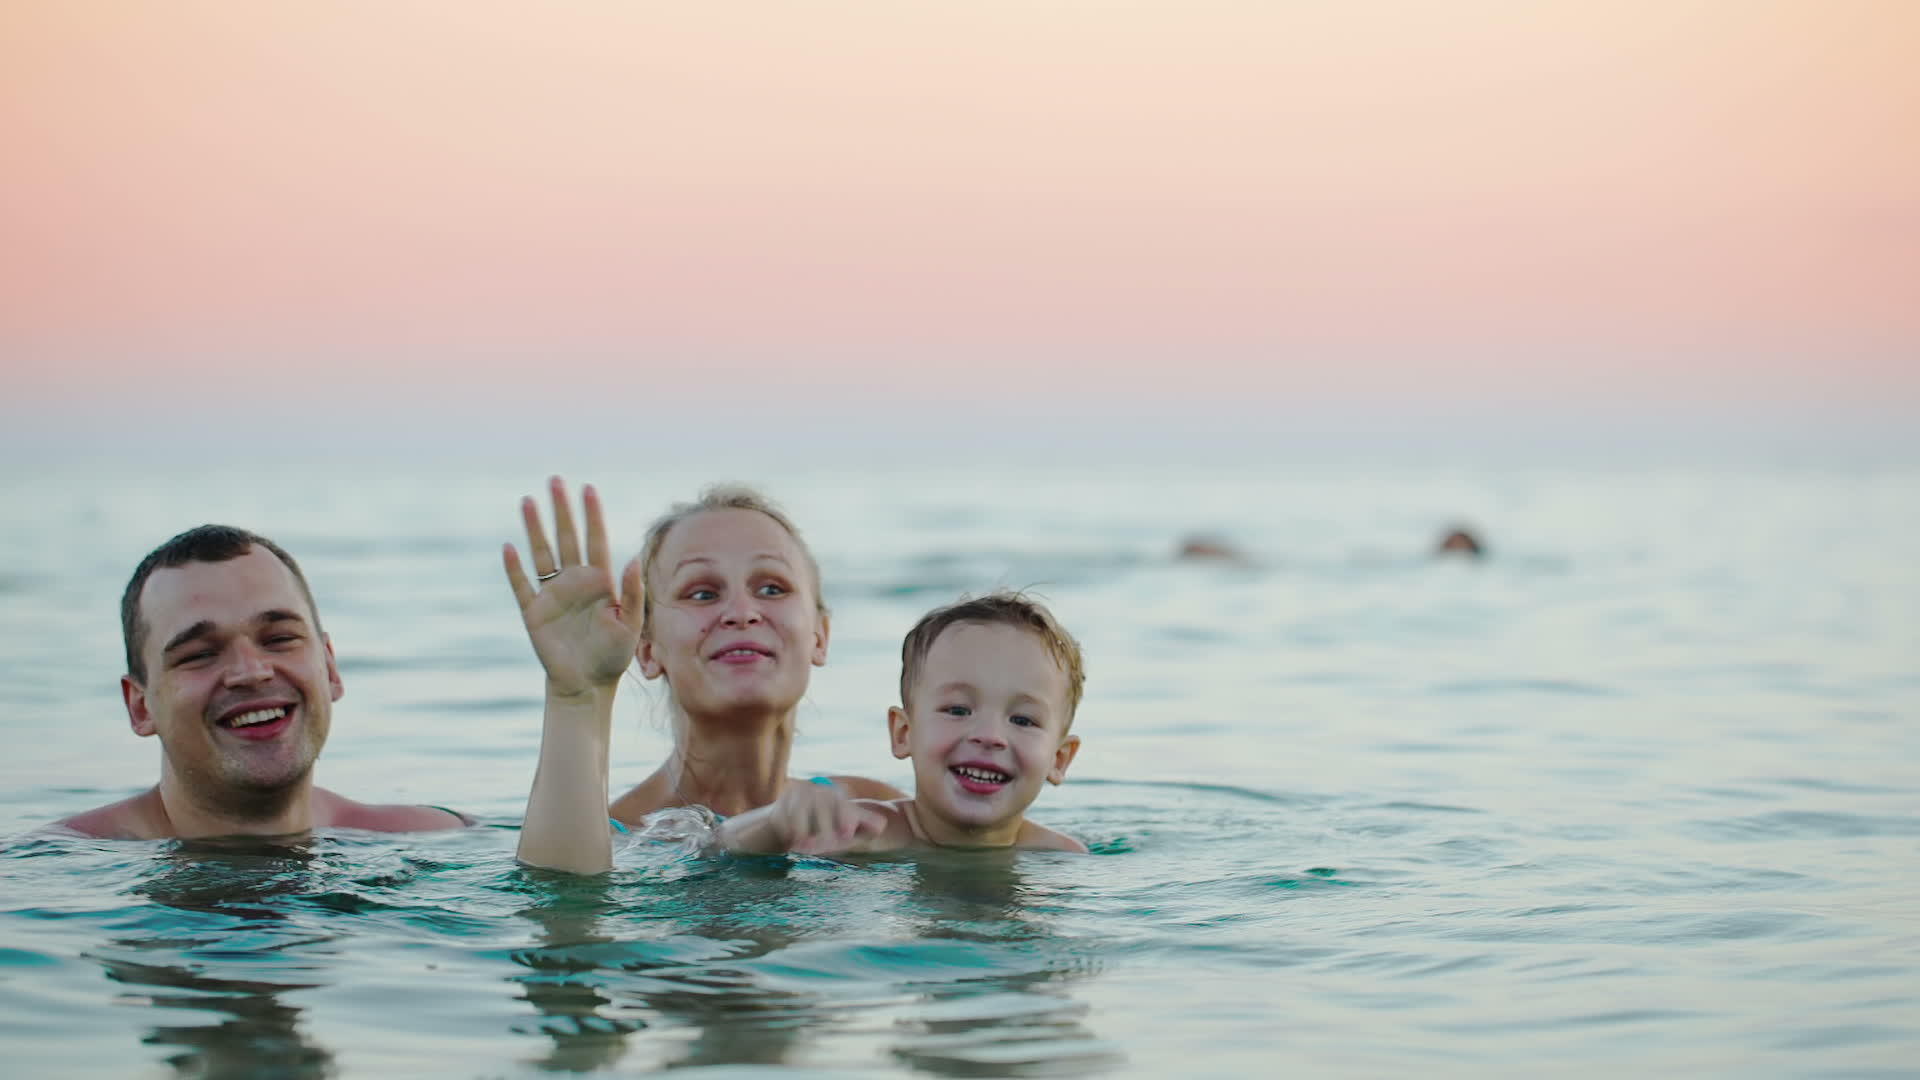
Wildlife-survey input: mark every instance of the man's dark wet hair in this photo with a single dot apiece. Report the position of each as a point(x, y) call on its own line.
point(209, 544)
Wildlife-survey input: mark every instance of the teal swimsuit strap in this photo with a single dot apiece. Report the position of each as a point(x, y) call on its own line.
point(617, 827)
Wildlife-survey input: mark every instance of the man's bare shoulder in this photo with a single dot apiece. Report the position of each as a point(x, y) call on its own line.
point(136, 817)
point(1040, 838)
point(339, 812)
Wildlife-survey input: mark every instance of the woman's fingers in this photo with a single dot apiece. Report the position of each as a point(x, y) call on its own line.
point(565, 540)
point(597, 554)
point(633, 596)
point(537, 548)
point(871, 822)
point(820, 819)
point(523, 590)
point(846, 819)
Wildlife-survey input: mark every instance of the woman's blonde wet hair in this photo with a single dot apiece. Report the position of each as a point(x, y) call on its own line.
point(719, 497)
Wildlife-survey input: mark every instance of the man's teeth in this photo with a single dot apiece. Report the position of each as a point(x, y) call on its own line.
point(985, 776)
point(258, 716)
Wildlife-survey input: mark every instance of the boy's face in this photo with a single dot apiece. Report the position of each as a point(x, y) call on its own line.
point(987, 723)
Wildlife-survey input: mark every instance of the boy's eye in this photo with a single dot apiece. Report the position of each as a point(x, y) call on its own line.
point(1023, 721)
point(956, 710)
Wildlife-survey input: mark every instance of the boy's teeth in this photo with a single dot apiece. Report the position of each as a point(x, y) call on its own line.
point(988, 776)
point(257, 716)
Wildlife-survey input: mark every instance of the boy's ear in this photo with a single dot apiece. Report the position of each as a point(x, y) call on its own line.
point(135, 696)
point(649, 667)
point(897, 727)
point(1063, 757)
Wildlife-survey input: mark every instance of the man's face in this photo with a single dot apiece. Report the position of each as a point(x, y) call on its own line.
point(240, 684)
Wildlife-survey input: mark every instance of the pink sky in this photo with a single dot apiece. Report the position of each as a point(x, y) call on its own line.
point(1681, 200)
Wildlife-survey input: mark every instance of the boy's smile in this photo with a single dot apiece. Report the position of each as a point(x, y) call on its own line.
point(986, 726)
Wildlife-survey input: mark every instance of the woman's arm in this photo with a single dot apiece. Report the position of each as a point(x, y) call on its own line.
point(861, 787)
point(811, 819)
point(585, 636)
point(566, 823)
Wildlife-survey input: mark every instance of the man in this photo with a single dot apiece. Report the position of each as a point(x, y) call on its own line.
point(227, 664)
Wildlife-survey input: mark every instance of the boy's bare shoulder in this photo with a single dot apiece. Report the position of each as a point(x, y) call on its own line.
point(898, 831)
point(1040, 838)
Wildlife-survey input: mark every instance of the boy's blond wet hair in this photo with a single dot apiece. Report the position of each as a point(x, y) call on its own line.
point(718, 497)
point(1002, 607)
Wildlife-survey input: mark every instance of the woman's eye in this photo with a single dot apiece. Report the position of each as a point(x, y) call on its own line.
point(773, 588)
point(701, 595)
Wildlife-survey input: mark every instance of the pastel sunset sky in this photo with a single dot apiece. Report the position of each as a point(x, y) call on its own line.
point(1256, 207)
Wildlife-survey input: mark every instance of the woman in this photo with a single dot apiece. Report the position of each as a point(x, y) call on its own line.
point(724, 603)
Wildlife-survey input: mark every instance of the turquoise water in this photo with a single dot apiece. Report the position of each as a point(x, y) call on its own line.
point(1641, 792)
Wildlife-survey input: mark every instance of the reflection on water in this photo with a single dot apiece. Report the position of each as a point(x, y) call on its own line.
point(227, 891)
point(255, 1034)
point(741, 962)
point(560, 987)
point(1013, 1024)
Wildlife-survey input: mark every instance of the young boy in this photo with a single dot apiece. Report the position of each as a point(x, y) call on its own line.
point(988, 688)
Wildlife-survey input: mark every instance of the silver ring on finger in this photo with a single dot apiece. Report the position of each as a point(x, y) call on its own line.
point(548, 576)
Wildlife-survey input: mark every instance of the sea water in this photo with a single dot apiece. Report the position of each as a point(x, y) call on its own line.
point(1640, 791)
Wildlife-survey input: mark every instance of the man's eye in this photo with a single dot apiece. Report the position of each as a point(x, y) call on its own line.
point(194, 657)
point(283, 639)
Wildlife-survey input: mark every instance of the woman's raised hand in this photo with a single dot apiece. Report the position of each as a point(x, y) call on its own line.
point(584, 634)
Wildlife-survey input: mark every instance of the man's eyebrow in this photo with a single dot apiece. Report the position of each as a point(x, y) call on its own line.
point(279, 615)
point(199, 629)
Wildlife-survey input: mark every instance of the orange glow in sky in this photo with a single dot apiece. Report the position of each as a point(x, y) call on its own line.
point(922, 191)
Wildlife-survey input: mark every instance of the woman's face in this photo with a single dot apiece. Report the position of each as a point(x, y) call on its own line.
point(736, 624)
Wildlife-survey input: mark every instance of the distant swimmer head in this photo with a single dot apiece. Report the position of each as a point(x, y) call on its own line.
point(1462, 542)
point(1204, 548)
